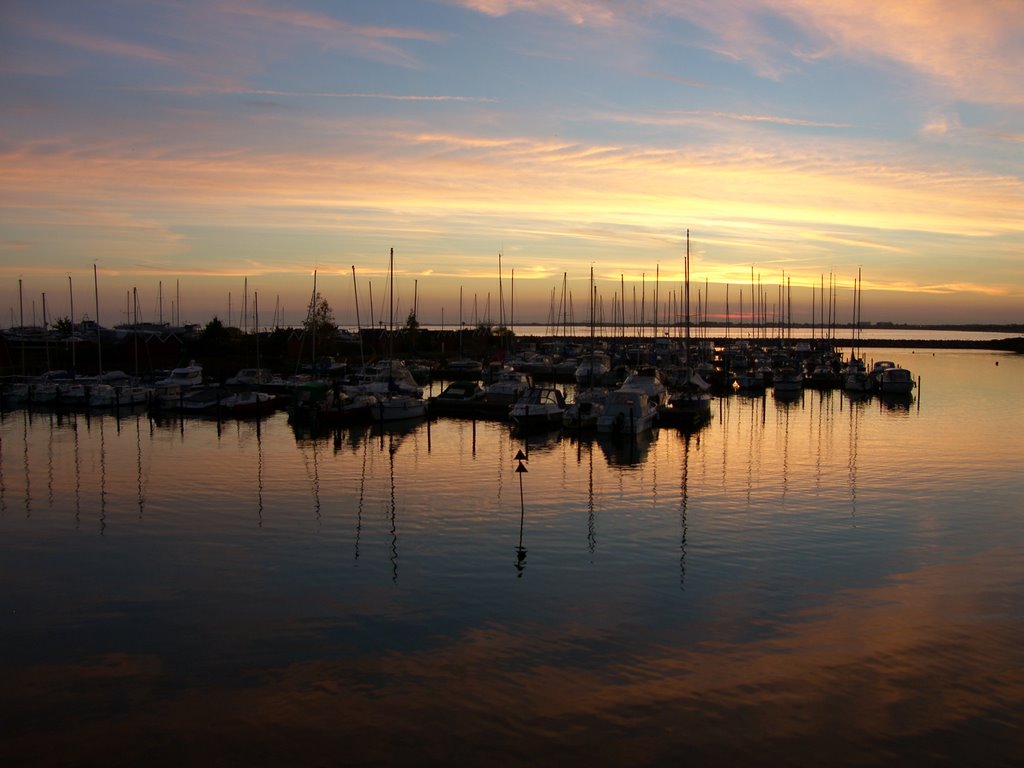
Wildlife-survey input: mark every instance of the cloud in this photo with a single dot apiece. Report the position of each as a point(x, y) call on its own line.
point(93, 43)
point(199, 89)
point(690, 117)
point(372, 42)
point(579, 12)
point(974, 50)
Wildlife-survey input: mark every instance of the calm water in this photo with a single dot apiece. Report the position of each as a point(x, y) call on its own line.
point(823, 581)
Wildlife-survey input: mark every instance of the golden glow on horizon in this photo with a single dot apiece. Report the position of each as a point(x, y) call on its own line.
point(231, 168)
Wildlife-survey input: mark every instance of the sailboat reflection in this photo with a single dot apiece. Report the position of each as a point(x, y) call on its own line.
point(139, 485)
point(591, 533)
point(259, 475)
point(103, 478)
point(626, 450)
point(392, 449)
point(684, 499)
point(362, 500)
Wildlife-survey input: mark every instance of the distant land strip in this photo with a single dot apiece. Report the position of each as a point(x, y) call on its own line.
point(1003, 345)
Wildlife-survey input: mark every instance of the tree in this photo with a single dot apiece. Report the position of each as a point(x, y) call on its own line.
point(320, 323)
point(63, 326)
point(215, 332)
point(320, 317)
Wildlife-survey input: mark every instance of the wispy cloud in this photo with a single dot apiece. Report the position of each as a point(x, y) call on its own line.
point(199, 89)
point(974, 49)
point(688, 117)
point(373, 42)
point(92, 42)
point(596, 12)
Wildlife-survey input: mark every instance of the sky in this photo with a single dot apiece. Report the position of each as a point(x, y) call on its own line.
point(212, 155)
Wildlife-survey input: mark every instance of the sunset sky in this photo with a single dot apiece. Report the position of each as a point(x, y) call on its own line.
point(188, 148)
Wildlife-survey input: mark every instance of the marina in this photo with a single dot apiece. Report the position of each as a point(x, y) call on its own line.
point(839, 572)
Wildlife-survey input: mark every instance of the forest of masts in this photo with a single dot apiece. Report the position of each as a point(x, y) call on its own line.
point(648, 310)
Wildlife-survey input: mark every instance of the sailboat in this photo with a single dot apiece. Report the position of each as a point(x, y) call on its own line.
point(250, 401)
point(855, 377)
point(398, 395)
point(690, 405)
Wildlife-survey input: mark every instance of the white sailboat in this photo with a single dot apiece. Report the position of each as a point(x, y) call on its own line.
point(690, 405)
point(399, 401)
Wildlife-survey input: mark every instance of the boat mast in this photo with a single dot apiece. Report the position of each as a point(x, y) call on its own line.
point(501, 296)
point(256, 324)
point(74, 345)
point(686, 307)
point(99, 341)
point(359, 327)
point(135, 335)
point(312, 315)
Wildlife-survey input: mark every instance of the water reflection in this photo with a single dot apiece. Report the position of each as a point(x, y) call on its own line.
point(683, 503)
point(892, 401)
point(626, 450)
point(520, 549)
point(392, 449)
point(707, 600)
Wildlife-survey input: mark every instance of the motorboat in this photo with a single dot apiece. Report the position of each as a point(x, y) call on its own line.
point(507, 387)
point(170, 391)
point(690, 405)
point(788, 378)
point(117, 395)
point(585, 409)
point(318, 401)
point(399, 407)
point(200, 400)
point(880, 367)
point(627, 411)
point(251, 377)
point(539, 406)
point(895, 381)
point(458, 398)
point(385, 377)
point(649, 380)
point(248, 403)
point(592, 368)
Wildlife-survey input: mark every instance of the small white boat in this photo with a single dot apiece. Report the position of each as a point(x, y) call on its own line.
point(627, 411)
point(584, 411)
point(788, 378)
point(649, 380)
point(592, 368)
point(385, 378)
point(169, 392)
point(507, 387)
point(251, 377)
point(398, 407)
point(539, 406)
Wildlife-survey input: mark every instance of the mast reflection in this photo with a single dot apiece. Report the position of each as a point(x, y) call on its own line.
point(684, 499)
point(392, 448)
